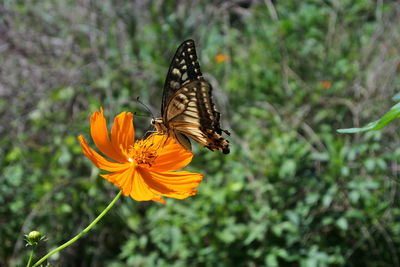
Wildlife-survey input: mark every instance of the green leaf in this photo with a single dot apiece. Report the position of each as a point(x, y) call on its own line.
point(342, 223)
point(396, 97)
point(393, 113)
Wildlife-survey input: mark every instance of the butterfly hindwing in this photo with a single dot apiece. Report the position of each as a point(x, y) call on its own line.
point(191, 112)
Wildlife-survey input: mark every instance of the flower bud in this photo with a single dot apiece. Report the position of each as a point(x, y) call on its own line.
point(33, 238)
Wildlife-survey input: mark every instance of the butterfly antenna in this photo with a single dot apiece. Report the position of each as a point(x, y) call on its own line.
point(145, 106)
point(140, 114)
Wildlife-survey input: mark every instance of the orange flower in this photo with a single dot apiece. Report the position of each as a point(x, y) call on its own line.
point(326, 84)
point(221, 58)
point(145, 169)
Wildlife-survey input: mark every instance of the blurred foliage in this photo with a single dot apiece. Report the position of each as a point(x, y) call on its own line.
point(292, 191)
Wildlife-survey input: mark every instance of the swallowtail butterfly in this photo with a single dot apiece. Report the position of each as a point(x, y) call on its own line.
point(187, 109)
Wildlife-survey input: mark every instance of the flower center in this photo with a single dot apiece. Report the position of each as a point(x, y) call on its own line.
point(143, 153)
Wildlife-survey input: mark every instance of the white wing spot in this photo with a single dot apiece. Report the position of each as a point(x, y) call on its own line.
point(176, 72)
point(174, 84)
point(191, 113)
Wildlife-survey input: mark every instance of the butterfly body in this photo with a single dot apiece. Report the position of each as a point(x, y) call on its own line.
point(187, 108)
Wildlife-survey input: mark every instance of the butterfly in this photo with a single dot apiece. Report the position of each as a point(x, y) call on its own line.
point(187, 108)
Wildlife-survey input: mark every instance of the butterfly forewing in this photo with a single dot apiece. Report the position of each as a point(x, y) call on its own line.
point(184, 68)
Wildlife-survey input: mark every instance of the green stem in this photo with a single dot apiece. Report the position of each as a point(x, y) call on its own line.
point(30, 257)
point(83, 232)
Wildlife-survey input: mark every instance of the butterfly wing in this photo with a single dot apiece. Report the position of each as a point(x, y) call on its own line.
point(184, 68)
point(187, 108)
point(191, 112)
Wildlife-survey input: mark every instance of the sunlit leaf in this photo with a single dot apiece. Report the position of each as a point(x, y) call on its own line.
point(393, 113)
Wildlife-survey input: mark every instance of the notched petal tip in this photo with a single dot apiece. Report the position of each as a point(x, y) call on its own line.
point(159, 199)
point(99, 133)
point(122, 132)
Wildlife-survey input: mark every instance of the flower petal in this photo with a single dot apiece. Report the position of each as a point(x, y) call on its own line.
point(122, 133)
point(178, 180)
point(159, 199)
point(170, 140)
point(99, 132)
point(160, 140)
point(123, 179)
point(131, 183)
point(172, 157)
point(140, 191)
point(178, 185)
point(98, 160)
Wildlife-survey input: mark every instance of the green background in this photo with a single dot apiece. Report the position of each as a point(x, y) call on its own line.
point(292, 191)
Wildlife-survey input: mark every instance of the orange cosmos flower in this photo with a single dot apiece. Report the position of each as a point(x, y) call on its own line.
point(326, 84)
point(221, 58)
point(145, 169)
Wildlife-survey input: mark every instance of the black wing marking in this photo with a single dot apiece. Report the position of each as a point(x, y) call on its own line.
point(184, 68)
